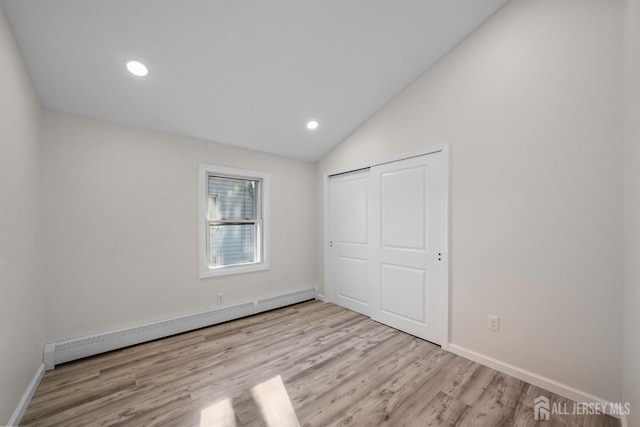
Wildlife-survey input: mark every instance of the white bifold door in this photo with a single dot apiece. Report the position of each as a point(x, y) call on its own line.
point(388, 244)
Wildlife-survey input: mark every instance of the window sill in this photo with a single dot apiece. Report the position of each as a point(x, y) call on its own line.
point(234, 269)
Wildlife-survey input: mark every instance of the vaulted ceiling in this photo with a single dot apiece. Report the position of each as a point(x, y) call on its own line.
point(245, 73)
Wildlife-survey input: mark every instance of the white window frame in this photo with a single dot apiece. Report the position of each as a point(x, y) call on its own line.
point(205, 171)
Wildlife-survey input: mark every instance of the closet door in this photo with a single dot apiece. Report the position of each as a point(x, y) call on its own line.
point(350, 240)
point(406, 228)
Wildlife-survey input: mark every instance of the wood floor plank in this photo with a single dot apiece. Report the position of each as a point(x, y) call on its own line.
point(294, 361)
point(310, 364)
point(415, 394)
point(498, 404)
point(251, 364)
point(442, 410)
point(88, 392)
point(375, 406)
point(336, 385)
point(199, 364)
point(470, 384)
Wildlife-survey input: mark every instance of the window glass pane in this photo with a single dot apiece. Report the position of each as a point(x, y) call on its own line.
point(212, 210)
point(232, 244)
point(235, 199)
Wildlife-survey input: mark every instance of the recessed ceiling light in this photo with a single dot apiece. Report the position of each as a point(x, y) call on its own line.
point(312, 124)
point(137, 68)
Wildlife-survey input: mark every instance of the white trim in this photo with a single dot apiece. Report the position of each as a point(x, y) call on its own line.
point(532, 378)
point(203, 200)
point(394, 158)
point(26, 397)
point(319, 296)
point(77, 348)
point(328, 288)
point(623, 417)
point(445, 275)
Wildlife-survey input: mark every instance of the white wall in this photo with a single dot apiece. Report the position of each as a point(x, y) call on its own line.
point(21, 300)
point(531, 105)
point(631, 381)
point(122, 226)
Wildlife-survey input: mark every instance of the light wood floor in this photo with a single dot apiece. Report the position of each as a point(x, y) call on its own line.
point(312, 364)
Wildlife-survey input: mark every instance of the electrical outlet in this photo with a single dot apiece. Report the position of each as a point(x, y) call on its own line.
point(220, 298)
point(493, 323)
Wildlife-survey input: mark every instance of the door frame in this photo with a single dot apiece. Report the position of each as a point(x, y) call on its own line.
point(329, 289)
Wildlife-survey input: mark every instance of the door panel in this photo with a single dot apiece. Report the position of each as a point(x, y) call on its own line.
point(352, 279)
point(407, 236)
point(350, 241)
point(404, 292)
point(403, 208)
point(351, 209)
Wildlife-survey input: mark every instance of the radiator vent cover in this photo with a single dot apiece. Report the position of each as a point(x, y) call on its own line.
point(278, 301)
point(65, 351)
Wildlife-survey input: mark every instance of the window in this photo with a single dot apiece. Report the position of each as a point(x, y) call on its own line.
point(233, 221)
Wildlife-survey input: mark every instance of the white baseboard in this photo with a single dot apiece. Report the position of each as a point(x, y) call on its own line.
point(77, 348)
point(320, 297)
point(26, 397)
point(535, 379)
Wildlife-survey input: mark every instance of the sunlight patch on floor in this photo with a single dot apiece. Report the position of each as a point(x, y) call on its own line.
point(266, 404)
point(219, 414)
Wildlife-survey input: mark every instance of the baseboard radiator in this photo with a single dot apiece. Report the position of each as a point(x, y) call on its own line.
point(65, 351)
